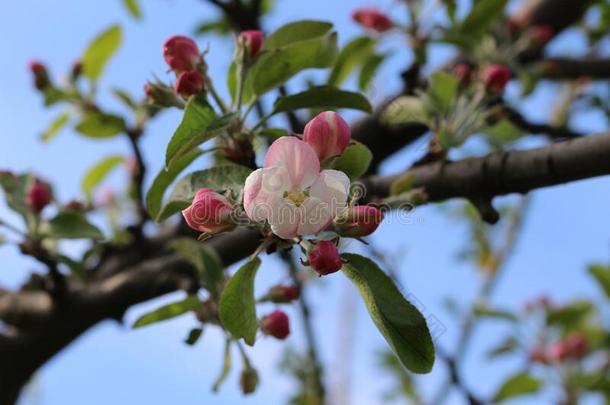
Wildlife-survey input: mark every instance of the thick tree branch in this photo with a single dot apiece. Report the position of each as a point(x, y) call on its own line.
point(570, 68)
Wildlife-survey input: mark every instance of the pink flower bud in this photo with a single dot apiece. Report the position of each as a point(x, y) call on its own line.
point(542, 33)
point(463, 72)
point(276, 324)
point(538, 355)
point(496, 77)
point(253, 41)
point(38, 196)
point(181, 53)
point(358, 221)
point(210, 212)
point(576, 345)
point(328, 134)
point(282, 294)
point(189, 83)
point(324, 258)
point(373, 19)
point(557, 351)
point(40, 73)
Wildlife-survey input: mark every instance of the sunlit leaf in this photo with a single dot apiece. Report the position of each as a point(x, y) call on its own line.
point(323, 97)
point(99, 52)
point(98, 125)
point(602, 275)
point(297, 31)
point(354, 53)
point(168, 311)
point(133, 8)
point(55, 127)
point(517, 385)
point(355, 160)
point(72, 225)
point(98, 173)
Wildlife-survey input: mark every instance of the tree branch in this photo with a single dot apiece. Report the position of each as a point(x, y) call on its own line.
point(569, 68)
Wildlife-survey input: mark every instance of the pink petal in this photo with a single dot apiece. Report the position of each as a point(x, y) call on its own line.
point(297, 157)
point(315, 216)
point(285, 219)
point(331, 187)
point(262, 190)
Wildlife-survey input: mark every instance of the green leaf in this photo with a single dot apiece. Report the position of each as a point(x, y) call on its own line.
point(274, 67)
point(295, 32)
point(100, 51)
point(220, 26)
point(199, 124)
point(205, 260)
point(602, 275)
point(272, 133)
point(165, 177)
point(56, 125)
point(323, 97)
point(503, 132)
point(226, 367)
point(481, 15)
point(352, 54)
point(354, 161)
point(193, 336)
point(442, 91)
point(15, 190)
point(77, 268)
point(509, 345)
point(517, 385)
point(133, 8)
point(100, 125)
point(169, 311)
point(496, 313)
point(98, 173)
point(404, 110)
point(570, 315)
point(219, 178)
point(125, 98)
point(237, 308)
point(72, 225)
point(400, 323)
point(369, 69)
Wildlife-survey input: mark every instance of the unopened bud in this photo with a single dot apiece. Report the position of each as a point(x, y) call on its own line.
point(161, 95)
point(209, 212)
point(181, 53)
point(282, 294)
point(38, 196)
point(463, 72)
point(358, 221)
point(328, 134)
point(324, 258)
point(372, 19)
point(252, 41)
point(496, 77)
point(276, 324)
point(189, 84)
point(40, 74)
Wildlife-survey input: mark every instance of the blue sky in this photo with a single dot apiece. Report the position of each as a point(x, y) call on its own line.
point(566, 228)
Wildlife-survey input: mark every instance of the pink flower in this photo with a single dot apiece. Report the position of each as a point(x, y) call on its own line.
point(328, 134)
point(253, 40)
point(557, 351)
point(276, 324)
point(210, 212)
point(358, 221)
point(181, 53)
point(291, 193)
point(324, 258)
point(496, 77)
point(38, 196)
point(373, 19)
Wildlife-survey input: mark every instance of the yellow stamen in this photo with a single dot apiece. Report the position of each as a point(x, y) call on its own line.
point(297, 197)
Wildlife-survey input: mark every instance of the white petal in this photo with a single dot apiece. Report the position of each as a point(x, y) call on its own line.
point(297, 157)
point(263, 191)
point(315, 216)
point(331, 187)
point(284, 219)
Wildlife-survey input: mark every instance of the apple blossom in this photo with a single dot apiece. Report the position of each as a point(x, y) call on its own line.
point(210, 212)
point(328, 134)
point(276, 324)
point(291, 193)
point(373, 19)
point(324, 258)
point(181, 53)
point(463, 72)
point(253, 41)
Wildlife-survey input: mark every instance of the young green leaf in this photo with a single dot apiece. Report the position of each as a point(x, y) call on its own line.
point(400, 323)
point(133, 8)
point(237, 307)
point(369, 69)
point(125, 98)
point(274, 67)
point(199, 124)
point(168, 311)
point(193, 336)
point(219, 178)
point(481, 15)
point(405, 110)
point(56, 125)
point(165, 177)
point(353, 54)
point(15, 190)
point(517, 385)
point(205, 260)
point(495, 313)
point(355, 160)
point(503, 132)
point(323, 97)
point(98, 173)
point(72, 225)
point(442, 91)
point(100, 51)
point(100, 125)
point(602, 275)
point(296, 32)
